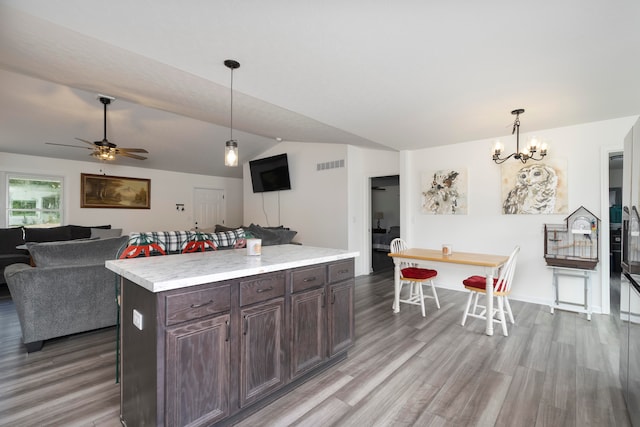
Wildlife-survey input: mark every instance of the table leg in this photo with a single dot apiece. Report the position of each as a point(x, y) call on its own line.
point(396, 286)
point(489, 304)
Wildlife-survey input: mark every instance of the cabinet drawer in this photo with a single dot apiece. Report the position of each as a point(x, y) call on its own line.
point(307, 278)
point(339, 271)
point(192, 305)
point(261, 289)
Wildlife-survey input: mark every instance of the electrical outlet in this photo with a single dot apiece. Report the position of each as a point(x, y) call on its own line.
point(137, 319)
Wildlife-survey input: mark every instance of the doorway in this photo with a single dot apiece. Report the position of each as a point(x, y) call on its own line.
point(208, 207)
point(385, 219)
point(615, 230)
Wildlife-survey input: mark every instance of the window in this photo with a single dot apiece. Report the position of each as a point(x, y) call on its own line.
point(34, 201)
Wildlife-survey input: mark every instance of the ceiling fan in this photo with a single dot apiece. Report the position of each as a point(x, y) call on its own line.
point(105, 150)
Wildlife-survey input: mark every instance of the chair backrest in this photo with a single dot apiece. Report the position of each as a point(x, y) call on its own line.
point(399, 245)
point(505, 279)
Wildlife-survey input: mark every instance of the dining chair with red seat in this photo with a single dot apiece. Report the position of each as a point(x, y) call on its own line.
point(416, 277)
point(501, 289)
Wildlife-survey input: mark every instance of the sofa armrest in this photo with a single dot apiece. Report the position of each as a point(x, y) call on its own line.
point(12, 269)
point(62, 300)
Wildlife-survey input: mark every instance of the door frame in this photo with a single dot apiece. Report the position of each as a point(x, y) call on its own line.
point(605, 221)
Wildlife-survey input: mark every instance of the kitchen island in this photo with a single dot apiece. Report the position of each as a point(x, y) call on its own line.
point(209, 337)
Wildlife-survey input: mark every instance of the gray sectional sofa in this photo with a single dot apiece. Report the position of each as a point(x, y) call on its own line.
point(68, 291)
point(12, 238)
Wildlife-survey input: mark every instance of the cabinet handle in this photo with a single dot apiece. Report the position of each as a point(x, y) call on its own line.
point(324, 298)
point(333, 297)
point(202, 305)
point(228, 330)
point(343, 271)
point(270, 288)
point(246, 325)
point(310, 279)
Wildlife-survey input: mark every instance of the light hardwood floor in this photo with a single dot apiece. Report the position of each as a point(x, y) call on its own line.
point(404, 370)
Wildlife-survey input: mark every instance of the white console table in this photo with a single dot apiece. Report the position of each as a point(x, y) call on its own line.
point(584, 307)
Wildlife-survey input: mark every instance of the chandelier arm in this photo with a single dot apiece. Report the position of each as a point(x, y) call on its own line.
point(498, 160)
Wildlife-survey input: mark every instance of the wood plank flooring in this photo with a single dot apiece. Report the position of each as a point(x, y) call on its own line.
point(404, 370)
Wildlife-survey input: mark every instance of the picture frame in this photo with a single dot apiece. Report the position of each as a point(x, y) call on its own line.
point(444, 192)
point(536, 188)
point(114, 192)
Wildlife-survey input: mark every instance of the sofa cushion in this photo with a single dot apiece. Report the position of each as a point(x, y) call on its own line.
point(271, 235)
point(219, 228)
point(9, 239)
point(53, 234)
point(84, 232)
point(103, 233)
point(75, 252)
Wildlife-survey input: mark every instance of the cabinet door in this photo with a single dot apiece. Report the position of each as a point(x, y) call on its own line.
point(262, 368)
point(308, 331)
point(341, 320)
point(197, 372)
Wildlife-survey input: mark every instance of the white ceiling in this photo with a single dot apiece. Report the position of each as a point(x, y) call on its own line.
point(381, 74)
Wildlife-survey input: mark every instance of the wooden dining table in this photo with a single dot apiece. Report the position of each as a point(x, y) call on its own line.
point(426, 257)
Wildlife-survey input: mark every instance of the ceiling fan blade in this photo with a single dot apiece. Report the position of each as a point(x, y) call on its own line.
point(86, 142)
point(68, 145)
point(133, 150)
point(133, 156)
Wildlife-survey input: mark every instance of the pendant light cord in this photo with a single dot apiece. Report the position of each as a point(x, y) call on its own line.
point(231, 130)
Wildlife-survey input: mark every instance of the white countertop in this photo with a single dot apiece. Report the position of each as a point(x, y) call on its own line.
point(163, 273)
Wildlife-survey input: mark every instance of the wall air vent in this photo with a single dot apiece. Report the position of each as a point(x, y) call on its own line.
point(330, 165)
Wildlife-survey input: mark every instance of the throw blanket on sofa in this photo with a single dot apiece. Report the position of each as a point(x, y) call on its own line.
point(153, 243)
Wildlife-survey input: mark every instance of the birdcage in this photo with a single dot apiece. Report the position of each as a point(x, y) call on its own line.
point(575, 243)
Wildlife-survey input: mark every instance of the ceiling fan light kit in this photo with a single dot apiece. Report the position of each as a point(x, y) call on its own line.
point(231, 146)
point(105, 150)
point(532, 147)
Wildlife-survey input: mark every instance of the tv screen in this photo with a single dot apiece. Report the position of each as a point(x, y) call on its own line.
point(270, 174)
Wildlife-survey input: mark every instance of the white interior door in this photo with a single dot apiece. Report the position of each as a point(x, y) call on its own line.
point(208, 207)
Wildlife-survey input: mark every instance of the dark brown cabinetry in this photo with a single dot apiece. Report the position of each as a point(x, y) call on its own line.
point(322, 322)
point(262, 365)
point(341, 319)
point(211, 352)
point(262, 368)
point(308, 331)
point(340, 306)
point(197, 381)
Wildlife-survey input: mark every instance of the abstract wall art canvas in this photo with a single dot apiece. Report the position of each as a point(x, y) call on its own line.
point(534, 188)
point(444, 192)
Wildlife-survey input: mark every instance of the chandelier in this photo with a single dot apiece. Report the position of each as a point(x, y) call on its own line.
point(532, 147)
point(231, 147)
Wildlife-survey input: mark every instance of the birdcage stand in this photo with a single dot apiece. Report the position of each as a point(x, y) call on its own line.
point(583, 307)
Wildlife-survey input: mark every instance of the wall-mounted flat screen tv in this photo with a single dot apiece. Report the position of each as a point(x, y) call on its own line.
point(270, 174)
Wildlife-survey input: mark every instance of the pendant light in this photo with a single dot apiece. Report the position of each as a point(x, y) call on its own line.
point(231, 147)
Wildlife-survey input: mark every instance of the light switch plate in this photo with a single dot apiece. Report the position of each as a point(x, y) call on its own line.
point(137, 319)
